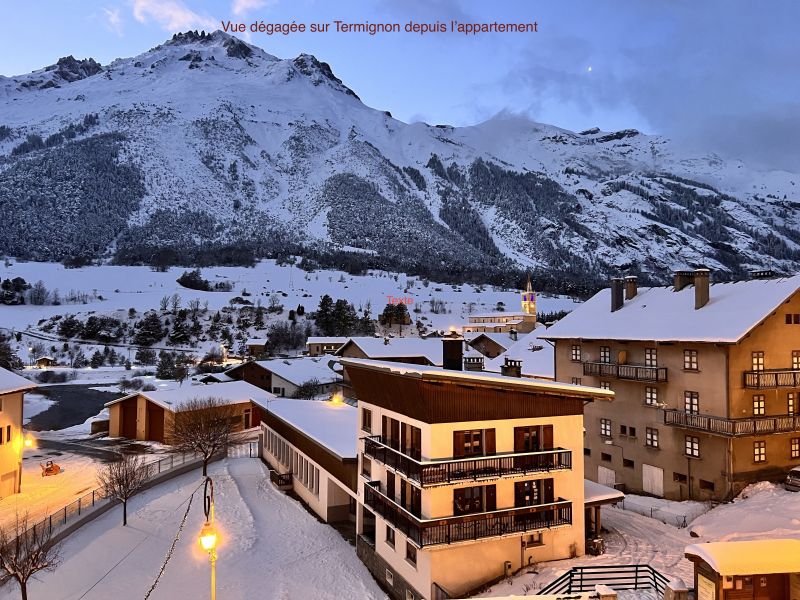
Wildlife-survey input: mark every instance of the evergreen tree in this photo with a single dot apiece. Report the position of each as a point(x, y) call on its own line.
point(150, 330)
point(343, 318)
point(166, 365)
point(8, 360)
point(145, 356)
point(180, 332)
point(324, 316)
point(97, 360)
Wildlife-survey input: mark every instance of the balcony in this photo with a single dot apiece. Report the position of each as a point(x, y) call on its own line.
point(443, 472)
point(732, 427)
point(772, 378)
point(462, 528)
point(629, 372)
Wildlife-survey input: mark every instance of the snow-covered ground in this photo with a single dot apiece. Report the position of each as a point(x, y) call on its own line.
point(671, 512)
point(270, 547)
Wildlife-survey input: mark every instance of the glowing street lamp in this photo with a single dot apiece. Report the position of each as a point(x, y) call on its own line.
point(208, 534)
point(19, 444)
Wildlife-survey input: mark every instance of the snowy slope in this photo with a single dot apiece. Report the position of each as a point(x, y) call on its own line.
point(206, 143)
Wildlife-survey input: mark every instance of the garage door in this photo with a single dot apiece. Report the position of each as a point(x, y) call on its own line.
point(652, 480)
point(606, 476)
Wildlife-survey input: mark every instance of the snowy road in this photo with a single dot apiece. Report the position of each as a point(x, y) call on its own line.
point(270, 547)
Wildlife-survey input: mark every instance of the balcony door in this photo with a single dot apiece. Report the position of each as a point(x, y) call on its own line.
point(473, 442)
point(533, 438)
point(476, 499)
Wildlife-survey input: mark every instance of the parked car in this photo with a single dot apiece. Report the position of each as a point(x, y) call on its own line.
point(792, 482)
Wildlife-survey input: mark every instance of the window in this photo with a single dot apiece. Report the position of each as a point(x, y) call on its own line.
point(366, 467)
point(605, 427)
point(528, 493)
point(795, 363)
point(757, 361)
point(679, 478)
point(390, 536)
point(651, 396)
point(474, 499)
point(534, 539)
point(1, 436)
point(632, 431)
point(759, 452)
point(410, 595)
point(576, 352)
point(650, 357)
point(692, 446)
point(389, 577)
point(576, 381)
point(794, 448)
point(627, 463)
point(623, 430)
point(366, 420)
point(605, 354)
point(587, 452)
point(758, 405)
point(791, 407)
point(690, 360)
point(651, 437)
point(706, 485)
point(691, 402)
point(411, 553)
point(468, 443)
point(793, 318)
point(605, 385)
point(605, 457)
point(788, 318)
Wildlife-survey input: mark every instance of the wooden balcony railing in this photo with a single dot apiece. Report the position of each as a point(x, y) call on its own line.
point(453, 470)
point(773, 378)
point(732, 427)
point(281, 480)
point(630, 372)
point(448, 530)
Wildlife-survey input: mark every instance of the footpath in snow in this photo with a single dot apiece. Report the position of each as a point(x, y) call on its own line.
point(270, 547)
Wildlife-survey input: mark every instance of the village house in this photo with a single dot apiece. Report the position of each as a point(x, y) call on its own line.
point(285, 376)
point(466, 476)
point(150, 415)
point(319, 345)
point(311, 447)
point(706, 379)
point(12, 397)
point(491, 345)
point(506, 322)
point(255, 346)
point(530, 354)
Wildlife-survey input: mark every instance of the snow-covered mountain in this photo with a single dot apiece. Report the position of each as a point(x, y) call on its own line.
point(208, 149)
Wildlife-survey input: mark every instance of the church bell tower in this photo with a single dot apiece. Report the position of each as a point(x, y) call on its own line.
point(529, 299)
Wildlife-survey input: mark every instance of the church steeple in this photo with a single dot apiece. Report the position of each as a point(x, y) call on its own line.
point(529, 299)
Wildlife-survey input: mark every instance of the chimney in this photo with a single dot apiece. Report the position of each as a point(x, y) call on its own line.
point(473, 363)
point(701, 287)
point(512, 333)
point(762, 274)
point(452, 353)
point(682, 279)
point(511, 368)
point(616, 294)
point(630, 287)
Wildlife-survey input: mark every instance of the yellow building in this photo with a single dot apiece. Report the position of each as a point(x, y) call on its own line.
point(12, 392)
point(465, 476)
point(505, 322)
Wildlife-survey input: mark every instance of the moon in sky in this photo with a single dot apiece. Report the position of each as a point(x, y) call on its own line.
point(589, 70)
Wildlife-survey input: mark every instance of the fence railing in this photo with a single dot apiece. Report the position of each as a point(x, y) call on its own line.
point(446, 471)
point(280, 479)
point(98, 496)
point(617, 577)
point(773, 378)
point(631, 372)
point(732, 427)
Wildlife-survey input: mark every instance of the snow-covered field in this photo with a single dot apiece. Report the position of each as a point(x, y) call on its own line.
point(270, 547)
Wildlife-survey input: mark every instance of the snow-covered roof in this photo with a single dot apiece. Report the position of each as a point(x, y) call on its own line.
point(492, 323)
point(431, 372)
point(501, 339)
point(318, 339)
point(535, 362)
point(256, 342)
point(300, 370)
point(494, 315)
point(596, 493)
point(234, 392)
point(331, 424)
point(753, 557)
point(11, 382)
point(378, 348)
point(661, 314)
point(219, 377)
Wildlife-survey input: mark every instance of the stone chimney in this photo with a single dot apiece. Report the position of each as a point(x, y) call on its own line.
point(701, 287)
point(473, 363)
point(511, 367)
point(630, 287)
point(452, 353)
point(682, 279)
point(512, 333)
point(616, 293)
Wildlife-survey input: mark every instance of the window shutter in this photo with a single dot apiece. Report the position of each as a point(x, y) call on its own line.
point(489, 446)
point(547, 437)
point(491, 498)
point(548, 491)
point(458, 443)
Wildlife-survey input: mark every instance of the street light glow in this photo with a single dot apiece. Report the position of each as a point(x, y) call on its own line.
point(208, 537)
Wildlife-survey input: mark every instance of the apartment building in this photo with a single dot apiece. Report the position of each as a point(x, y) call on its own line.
point(706, 381)
point(12, 393)
point(465, 476)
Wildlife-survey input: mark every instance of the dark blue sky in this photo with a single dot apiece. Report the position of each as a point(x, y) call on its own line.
point(717, 75)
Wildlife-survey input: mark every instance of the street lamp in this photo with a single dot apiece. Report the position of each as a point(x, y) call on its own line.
point(21, 442)
point(208, 534)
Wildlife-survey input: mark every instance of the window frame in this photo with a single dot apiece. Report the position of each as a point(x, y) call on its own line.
point(691, 360)
point(605, 355)
point(691, 402)
point(759, 451)
point(651, 437)
point(759, 405)
point(651, 395)
point(605, 428)
point(757, 361)
point(691, 446)
point(650, 357)
point(794, 448)
point(576, 353)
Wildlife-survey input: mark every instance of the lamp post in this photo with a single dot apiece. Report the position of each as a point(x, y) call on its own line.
point(208, 534)
point(20, 443)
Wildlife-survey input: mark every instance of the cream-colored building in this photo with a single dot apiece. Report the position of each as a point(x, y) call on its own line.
point(465, 476)
point(506, 322)
point(12, 394)
point(706, 378)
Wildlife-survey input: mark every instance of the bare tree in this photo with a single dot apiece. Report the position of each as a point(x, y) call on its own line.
point(122, 478)
point(175, 302)
point(205, 426)
point(25, 551)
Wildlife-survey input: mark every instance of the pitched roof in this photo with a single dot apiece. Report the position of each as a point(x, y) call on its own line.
point(321, 339)
point(439, 374)
point(256, 342)
point(501, 339)
point(334, 425)
point(300, 370)
point(753, 557)
point(494, 315)
point(661, 314)
point(537, 355)
point(11, 382)
point(234, 392)
point(377, 348)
